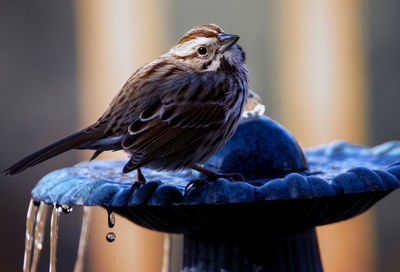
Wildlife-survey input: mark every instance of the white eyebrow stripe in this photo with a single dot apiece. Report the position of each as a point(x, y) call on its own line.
point(186, 48)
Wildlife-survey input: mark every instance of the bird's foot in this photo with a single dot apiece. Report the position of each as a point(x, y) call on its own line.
point(135, 186)
point(212, 176)
point(141, 180)
point(196, 182)
point(230, 177)
point(215, 175)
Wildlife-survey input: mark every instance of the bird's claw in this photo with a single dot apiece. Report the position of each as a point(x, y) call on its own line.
point(195, 182)
point(135, 186)
point(231, 177)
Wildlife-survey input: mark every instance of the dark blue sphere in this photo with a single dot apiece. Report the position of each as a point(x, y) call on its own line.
point(260, 147)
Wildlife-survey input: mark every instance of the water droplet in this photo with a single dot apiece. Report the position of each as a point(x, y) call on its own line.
point(111, 237)
point(66, 208)
point(111, 218)
point(58, 207)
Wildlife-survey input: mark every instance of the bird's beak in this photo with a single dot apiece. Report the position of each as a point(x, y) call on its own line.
point(226, 40)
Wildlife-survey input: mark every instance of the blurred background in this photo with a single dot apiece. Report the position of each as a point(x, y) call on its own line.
point(325, 69)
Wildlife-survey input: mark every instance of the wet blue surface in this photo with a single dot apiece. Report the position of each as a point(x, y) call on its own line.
point(259, 148)
point(267, 155)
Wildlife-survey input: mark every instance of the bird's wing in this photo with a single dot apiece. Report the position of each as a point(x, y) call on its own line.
point(188, 108)
point(187, 98)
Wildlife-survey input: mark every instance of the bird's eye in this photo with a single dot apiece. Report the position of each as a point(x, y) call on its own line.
point(202, 50)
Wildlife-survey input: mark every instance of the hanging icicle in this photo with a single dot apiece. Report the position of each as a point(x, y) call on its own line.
point(41, 219)
point(79, 263)
point(30, 225)
point(55, 214)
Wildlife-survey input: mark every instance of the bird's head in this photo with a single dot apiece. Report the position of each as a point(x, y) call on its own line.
point(208, 48)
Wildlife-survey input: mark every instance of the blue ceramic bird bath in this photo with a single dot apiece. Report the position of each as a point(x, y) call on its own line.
point(265, 223)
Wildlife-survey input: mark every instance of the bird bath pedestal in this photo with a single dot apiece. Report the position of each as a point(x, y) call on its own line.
point(266, 223)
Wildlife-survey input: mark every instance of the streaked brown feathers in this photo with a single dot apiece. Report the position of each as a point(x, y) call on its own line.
point(208, 30)
point(173, 112)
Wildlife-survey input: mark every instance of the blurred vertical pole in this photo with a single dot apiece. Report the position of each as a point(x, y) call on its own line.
point(323, 99)
point(114, 39)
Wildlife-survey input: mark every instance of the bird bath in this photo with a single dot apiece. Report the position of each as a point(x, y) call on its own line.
point(266, 223)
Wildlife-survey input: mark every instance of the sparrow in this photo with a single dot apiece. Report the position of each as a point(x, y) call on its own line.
point(173, 113)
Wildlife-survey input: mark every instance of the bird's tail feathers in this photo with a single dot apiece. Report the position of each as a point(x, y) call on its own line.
point(77, 140)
